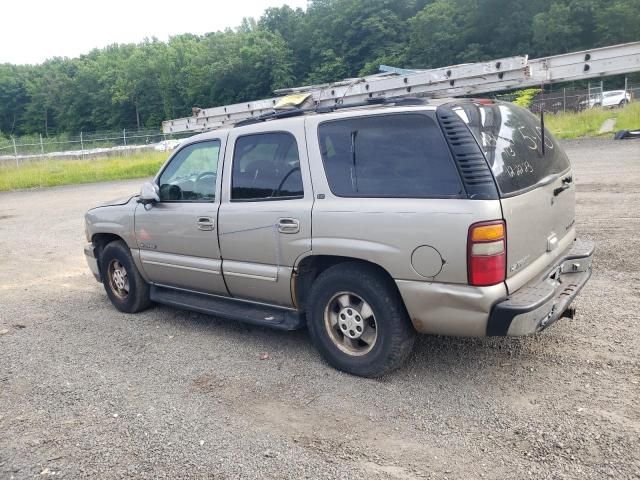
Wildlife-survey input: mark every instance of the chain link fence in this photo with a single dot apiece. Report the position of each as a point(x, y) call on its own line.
point(575, 100)
point(85, 144)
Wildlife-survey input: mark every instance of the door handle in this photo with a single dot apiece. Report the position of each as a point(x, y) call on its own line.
point(288, 225)
point(205, 223)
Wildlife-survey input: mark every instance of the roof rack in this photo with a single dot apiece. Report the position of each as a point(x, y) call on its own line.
point(294, 112)
point(392, 84)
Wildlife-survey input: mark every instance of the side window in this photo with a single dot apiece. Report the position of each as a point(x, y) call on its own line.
point(266, 166)
point(191, 174)
point(401, 155)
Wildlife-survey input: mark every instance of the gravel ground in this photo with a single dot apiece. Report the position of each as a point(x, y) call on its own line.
point(86, 391)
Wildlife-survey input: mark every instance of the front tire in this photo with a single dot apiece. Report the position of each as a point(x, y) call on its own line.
point(357, 320)
point(126, 289)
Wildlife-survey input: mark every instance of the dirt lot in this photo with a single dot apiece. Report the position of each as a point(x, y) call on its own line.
point(86, 391)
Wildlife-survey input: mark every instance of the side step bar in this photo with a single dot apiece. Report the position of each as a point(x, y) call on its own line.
point(229, 308)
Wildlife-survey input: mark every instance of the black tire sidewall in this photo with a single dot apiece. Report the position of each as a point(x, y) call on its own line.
point(138, 294)
point(391, 320)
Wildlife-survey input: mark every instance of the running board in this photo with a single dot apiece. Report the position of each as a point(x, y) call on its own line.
point(229, 308)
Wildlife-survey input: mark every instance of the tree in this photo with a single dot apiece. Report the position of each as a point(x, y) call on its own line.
point(13, 97)
point(139, 85)
point(439, 33)
point(563, 27)
point(618, 21)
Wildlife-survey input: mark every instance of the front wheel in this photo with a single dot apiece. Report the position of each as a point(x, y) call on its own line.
point(358, 321)
point(126, 289)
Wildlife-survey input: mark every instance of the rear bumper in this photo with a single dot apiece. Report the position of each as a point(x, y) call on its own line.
point(92, 261)
point(546, 299)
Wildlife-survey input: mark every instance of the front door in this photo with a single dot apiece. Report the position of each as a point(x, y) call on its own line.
point(177, 236)
point(265, 216)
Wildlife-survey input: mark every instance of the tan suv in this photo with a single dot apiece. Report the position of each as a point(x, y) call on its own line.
point(366, 224)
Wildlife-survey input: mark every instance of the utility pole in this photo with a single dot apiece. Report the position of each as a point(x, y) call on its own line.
point(15, 150)
point(626, 86)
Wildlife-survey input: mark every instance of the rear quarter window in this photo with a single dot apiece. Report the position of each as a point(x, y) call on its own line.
point(398, 156)
point(511, 139)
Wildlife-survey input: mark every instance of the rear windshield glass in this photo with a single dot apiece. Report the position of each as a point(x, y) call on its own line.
point(400, 155)
point(511, 139)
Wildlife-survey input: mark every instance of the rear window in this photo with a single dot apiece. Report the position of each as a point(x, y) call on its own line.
point(400, 155)
point(511, 139)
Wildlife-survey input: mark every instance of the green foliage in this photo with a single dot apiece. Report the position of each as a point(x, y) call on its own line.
point(138, 86)
point(588, 122)
point(47, 173)
point(525, 97)
point(576, 124)
point(628, 118)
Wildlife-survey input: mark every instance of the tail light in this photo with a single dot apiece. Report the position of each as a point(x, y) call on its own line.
point(486, 253)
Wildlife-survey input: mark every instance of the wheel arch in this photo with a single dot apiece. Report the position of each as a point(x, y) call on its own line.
point(101, 240)
point(311, 266)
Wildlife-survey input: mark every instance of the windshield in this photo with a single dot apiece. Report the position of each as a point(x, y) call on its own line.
point(512, 140)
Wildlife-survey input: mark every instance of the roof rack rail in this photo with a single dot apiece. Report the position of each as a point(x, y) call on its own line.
point(290, 112)
point(294, 112)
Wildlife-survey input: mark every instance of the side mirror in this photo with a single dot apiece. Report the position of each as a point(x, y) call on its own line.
point(149, 193)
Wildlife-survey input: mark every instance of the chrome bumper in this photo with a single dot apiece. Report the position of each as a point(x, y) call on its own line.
point(92, 261)
point(540, 303)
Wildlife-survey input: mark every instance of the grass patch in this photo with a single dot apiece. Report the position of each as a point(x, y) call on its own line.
point(51, 172)
point(629, 117)
point(588, 122)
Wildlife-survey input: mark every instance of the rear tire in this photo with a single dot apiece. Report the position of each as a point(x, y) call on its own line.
point(357, 320)
point(126, 289)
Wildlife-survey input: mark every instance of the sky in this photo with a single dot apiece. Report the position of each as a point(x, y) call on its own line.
point(32, 31)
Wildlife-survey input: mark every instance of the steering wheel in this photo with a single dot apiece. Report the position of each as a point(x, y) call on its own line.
point(205, 174)
point(277, 190)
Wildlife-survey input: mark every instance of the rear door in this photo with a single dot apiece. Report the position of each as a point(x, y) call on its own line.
point(265, 216)
point(535, 182)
